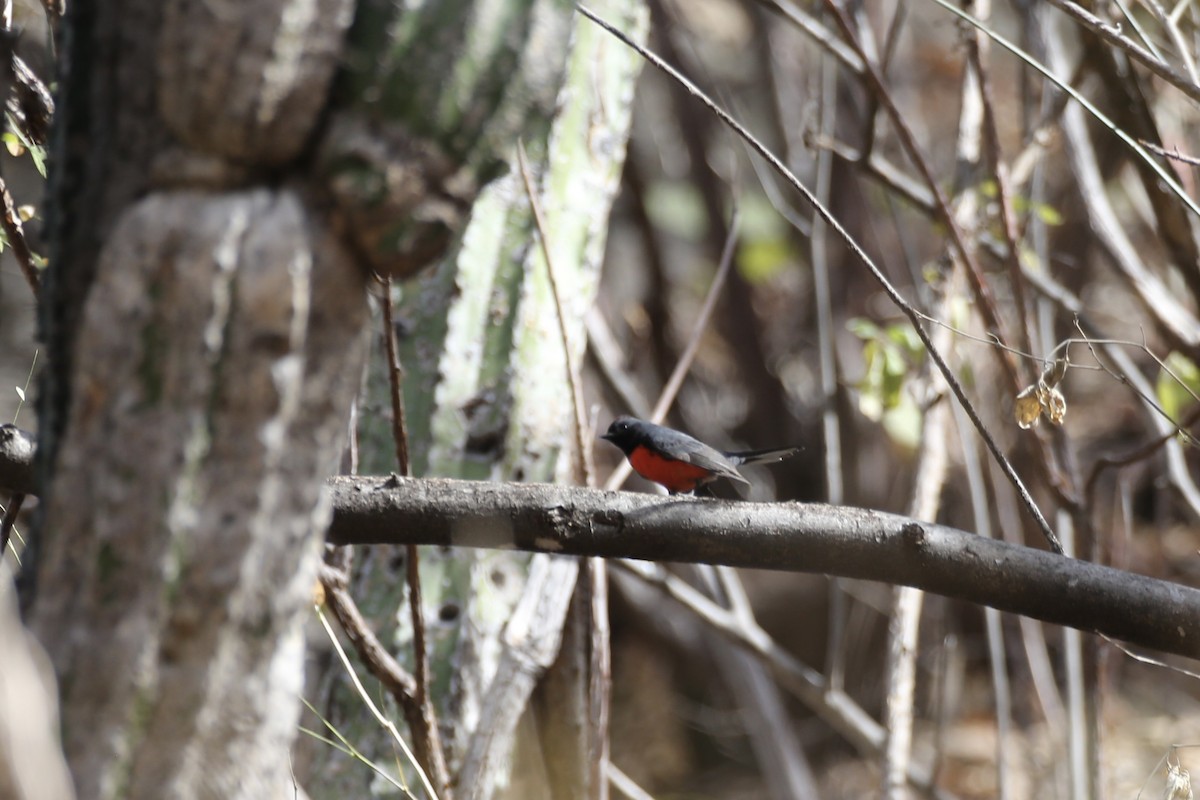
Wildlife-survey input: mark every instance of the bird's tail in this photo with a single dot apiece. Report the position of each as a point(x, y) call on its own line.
point(762, 456)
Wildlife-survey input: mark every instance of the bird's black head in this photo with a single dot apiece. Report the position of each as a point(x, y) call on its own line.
point(625, 433)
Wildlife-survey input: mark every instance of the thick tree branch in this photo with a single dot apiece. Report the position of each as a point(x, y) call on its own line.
point(849, 542)
point(834, 540)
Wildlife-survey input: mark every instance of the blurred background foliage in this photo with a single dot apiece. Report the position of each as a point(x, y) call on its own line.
point(1105, 251)
point(757, 379)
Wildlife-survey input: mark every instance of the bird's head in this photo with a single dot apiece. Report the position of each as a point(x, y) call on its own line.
point(624, 432)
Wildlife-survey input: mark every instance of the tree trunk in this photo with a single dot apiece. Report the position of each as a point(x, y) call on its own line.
point(487, 397)
point(205, 317)
point(205, 345)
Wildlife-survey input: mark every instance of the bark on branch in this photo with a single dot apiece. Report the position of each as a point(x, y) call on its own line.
point(799, 537)
point(849, 542)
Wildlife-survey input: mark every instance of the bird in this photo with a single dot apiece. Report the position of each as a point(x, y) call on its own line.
point(680, 463)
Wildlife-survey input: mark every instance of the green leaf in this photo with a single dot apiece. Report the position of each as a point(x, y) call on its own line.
point(863, 328)
point(13, 145)
point(1021, 204)
point(762, 259)
point(1178, 384)
point(890, 356)
point(18, 143)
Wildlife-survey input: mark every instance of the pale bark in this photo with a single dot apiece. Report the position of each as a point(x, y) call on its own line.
point(485, 369)
point(205, 332)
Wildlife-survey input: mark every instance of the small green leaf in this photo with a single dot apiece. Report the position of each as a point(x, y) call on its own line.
point(863, 328)
point(13, 144)
point(890, 356)
point(18, 143)
point(762, 259)
point(1046, 213)
point(1177, 385)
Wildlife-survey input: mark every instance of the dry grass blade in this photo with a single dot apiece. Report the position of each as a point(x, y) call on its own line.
point(625, 785)
point(344, 745)
point(386, 723)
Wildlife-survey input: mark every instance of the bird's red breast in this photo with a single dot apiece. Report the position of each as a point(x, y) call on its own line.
point(677, 476)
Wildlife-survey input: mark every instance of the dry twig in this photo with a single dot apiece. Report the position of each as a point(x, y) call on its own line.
point(861, 255)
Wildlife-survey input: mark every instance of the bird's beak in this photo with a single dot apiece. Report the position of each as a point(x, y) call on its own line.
point(607, 437)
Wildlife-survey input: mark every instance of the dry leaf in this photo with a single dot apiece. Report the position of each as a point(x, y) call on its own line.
point(1054, 405)
point(1179, 783)
point(1042, 397)
point(1028, 408)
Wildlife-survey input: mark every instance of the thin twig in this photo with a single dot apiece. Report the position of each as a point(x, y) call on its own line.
point(785, 769)
point(1135, 455)
point(1154, 662)
point(603, 346)
point(1125, 371)
point(1174, 155)
point(675, 382)
point(594, 587)
point(827, 356)
point(977, 51)
point(1049, 73)
point(380, 662)
point(427, 730)
point(582, 449)
point(1112, 35)
point(865, 259)
point(1079, 754)
point(973, 467)
point(907, 602)
point(395, 381)
point(10, 220)
point(985, 300)
point(818, 32)
point(1147, 40)
point(837, 709)
point(1176, 36)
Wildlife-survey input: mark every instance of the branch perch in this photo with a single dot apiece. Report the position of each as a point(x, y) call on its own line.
point(801, 537)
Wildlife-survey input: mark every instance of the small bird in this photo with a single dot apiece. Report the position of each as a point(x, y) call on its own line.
point(679, 462)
